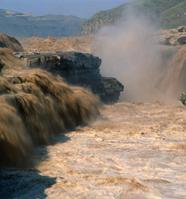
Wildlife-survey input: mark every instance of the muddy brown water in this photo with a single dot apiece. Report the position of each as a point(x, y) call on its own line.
point(136, 151)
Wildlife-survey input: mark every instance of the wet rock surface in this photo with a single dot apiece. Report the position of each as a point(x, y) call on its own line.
point(23, 184)
point(136, 151)
point(80, 69)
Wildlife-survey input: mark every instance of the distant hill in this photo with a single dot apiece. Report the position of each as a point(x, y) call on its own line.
point(25, 25)
point(170, 14)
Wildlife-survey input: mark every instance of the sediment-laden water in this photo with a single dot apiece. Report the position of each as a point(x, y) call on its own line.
point(137, 150)
point(36, 106)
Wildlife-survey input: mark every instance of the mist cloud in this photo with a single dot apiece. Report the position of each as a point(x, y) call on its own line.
point(130, 52)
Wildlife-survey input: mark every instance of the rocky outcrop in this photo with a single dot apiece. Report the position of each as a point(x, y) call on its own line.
point(183, 98)
point(1, 65)
point(80, 69)
point(181, 40)
point(10, 42)
point(173, 37)
point(181, 29)
point(113, 89)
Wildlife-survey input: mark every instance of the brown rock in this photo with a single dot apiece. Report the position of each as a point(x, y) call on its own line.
point(10, 42)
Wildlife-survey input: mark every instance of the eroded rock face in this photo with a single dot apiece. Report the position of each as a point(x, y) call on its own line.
point(173, 37)
point(182, 40)
point(80, 69)
point(181, 29)
point(10, 42)
point(1, 65)
point(183, 98)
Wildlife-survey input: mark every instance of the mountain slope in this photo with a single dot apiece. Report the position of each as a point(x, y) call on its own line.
point(169, 13)
point(24, 25)
point(174, 16)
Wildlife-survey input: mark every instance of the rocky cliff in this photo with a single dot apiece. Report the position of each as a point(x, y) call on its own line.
point(80, 69)
point(10, 42)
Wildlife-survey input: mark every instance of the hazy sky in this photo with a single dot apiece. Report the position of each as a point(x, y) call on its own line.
point(82, 8)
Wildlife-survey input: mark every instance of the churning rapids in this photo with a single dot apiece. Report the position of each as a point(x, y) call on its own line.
point(134, 151)
point(137, 150)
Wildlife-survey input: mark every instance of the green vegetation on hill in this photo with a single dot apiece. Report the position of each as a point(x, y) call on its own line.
point(174, 16)
point(24, 25)
point(170, 13)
